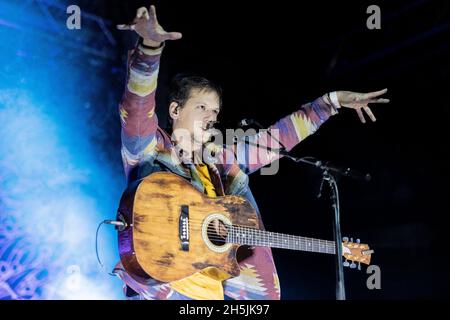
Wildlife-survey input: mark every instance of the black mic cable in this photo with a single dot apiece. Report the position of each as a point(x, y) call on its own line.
point(110, 222)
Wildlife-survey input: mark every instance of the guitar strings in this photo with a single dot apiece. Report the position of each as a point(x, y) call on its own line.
point(308, 245)
point(199, 223)
point(309, 242)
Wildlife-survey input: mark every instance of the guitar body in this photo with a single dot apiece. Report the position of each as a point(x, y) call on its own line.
point(168, 221)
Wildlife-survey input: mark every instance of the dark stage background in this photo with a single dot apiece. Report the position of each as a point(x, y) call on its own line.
point(272, 57)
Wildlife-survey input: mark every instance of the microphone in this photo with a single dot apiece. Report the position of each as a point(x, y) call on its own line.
point(249, 122)
point(346, 172)
point(246, 123)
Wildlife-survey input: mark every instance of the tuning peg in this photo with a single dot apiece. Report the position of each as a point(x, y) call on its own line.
point(358, 241)
point(346, 263)
point(345, 239)
point(353, 265)
point(359, 265)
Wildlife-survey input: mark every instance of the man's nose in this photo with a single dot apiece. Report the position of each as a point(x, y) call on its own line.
point(211, 116)
point(212, 113)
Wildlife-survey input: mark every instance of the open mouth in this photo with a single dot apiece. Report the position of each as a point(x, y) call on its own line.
point(209, 127)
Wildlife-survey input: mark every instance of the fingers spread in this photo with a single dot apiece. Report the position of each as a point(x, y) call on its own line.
point(173, 36)
point(370, 114)
point(125, 26)
point(381, 100)
point(153, 13)
point(360, 115)
point(141, 12)
point(375, 94)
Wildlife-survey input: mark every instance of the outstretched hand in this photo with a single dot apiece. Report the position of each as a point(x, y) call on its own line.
point(147, 26)
point(360, 101)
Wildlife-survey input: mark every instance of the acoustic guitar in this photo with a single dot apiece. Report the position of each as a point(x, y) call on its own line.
point(170, 233)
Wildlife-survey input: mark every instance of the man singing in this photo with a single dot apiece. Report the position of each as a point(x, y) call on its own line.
point(194, 105)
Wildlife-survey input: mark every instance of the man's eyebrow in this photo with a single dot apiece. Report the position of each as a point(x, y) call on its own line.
point(206, 104)
point(200, 102)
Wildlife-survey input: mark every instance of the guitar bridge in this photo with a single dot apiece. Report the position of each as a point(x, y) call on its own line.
point(183, 227)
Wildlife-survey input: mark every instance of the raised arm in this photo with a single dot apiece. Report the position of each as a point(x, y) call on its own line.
point(254, 152)
point(137, 107)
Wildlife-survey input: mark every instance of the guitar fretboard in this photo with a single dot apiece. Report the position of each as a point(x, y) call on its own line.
point(255, 237)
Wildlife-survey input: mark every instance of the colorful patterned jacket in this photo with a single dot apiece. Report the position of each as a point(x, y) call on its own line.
point(147, 148)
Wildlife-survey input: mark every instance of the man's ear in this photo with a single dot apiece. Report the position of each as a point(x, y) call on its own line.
point(174, 110)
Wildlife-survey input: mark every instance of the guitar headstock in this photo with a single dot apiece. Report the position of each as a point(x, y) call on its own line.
point(355, 252)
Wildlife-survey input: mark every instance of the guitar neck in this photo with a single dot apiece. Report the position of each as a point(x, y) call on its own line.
point(255, 237)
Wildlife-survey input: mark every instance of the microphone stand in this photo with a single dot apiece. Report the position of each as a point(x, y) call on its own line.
point(340, 289)
point(328, 177)
point(329, 172)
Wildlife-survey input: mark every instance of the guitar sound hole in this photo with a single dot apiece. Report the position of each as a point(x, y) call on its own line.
point(217, 233)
